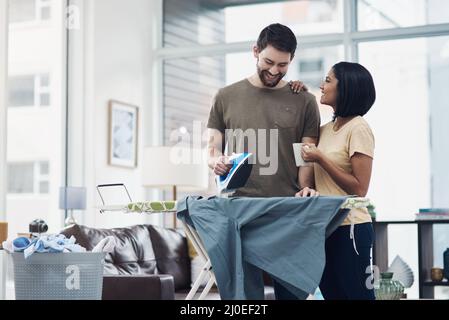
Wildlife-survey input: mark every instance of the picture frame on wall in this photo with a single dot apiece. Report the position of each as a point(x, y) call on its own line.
point(123, 134)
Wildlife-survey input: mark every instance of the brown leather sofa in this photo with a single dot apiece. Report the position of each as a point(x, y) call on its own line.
point(148, 263)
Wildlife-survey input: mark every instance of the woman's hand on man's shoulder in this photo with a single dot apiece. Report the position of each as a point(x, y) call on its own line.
point(298, 86)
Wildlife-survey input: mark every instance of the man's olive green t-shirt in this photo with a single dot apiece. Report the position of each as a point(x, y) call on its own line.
point(261, 113)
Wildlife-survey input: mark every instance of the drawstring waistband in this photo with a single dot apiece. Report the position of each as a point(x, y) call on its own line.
point(351, 232)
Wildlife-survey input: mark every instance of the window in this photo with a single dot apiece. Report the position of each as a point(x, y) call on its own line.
point(410, 83)
point(191, 83)
point(208, 22)
point(20, 178)
point(383, 14)
point(42, 90)
point(30, 90)
point(28, 178)
point(21, 91)
point(44, 9)
point(189, 86)
point(29, 10)
point(303, 17)
point(188, 23)
point(22, 10)
point(312, 66)
point(410, 68)
point(42, 177)
point(309, 65)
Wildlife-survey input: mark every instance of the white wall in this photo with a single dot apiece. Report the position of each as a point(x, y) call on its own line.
point(110, 59)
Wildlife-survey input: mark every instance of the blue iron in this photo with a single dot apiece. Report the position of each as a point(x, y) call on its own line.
point(237, 176)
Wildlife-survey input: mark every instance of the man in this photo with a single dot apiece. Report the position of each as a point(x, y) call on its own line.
point(262, 115)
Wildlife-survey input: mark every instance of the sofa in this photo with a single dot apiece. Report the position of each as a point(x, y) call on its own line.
point(148, 262)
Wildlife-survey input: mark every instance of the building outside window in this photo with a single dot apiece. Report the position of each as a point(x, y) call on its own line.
point(28, 178)
point(29, 91)
point(29, 10)
point(36, 113)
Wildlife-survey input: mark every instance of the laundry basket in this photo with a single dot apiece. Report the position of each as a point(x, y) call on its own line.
point(58, 276)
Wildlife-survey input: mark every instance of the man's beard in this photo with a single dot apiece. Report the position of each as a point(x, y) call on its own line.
point(267, 82)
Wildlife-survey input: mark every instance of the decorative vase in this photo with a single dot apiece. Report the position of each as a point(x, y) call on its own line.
point(387, 288)
point(446, 263)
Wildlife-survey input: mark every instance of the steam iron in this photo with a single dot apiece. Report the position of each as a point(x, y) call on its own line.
point(237, 176)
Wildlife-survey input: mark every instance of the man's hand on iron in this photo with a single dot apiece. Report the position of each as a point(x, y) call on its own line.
point(222, 166)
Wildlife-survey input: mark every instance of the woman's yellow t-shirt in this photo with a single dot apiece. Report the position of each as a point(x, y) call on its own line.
point(339, 146)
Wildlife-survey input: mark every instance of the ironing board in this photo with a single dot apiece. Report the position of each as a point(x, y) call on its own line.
point(151, 207)
point(207, 269)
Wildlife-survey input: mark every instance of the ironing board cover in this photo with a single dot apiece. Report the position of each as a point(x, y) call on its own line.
point(283, 236)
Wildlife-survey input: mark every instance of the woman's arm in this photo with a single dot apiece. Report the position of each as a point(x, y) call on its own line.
point(356, 183)
point(306, 177)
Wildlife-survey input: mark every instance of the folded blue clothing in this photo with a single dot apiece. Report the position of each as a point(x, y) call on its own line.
point(46, 243)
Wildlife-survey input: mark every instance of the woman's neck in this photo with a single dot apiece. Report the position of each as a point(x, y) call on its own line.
point(341, 121)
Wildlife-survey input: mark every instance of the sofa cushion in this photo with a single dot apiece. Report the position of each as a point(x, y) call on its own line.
point(138, 287)
point(170, 248)
point(133, 253)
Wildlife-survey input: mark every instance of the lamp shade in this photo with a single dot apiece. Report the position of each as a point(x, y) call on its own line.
point(175, 166)
point(72, 198)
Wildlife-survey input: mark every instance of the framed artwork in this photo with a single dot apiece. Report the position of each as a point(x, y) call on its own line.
point(123, 134)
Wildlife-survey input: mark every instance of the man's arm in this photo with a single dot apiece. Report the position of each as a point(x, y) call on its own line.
point(214, 147)
point(215, 159)
point(306, 177)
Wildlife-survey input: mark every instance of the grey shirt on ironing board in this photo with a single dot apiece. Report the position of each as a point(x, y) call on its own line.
point(242, 237)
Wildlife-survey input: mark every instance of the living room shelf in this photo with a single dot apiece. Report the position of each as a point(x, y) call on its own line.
point(425, 251)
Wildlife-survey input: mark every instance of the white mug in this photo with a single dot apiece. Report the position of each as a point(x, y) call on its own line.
point(297, 147)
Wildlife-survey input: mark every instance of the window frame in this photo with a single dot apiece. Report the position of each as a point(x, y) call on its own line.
point(349, 38)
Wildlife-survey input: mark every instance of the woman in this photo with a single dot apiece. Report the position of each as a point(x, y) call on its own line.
point(342, 166)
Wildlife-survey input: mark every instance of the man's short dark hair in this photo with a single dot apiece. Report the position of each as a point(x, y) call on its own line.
point(278, 36)
point(355, 88)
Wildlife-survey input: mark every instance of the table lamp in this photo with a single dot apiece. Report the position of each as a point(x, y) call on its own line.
point(175, 167)
point(72, 198)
